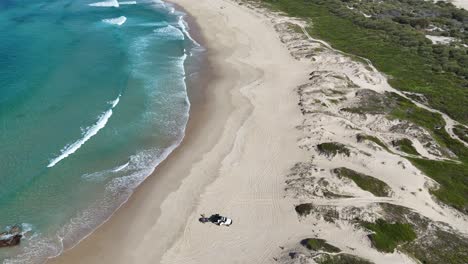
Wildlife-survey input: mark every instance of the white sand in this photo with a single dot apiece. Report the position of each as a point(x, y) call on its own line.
point(236, 158)
point(460, 3)
point(440, 39)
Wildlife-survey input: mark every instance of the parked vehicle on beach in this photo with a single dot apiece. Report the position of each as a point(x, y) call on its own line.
point(216, 219)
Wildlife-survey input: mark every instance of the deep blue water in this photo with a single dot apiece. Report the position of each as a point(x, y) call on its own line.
point(92, 98)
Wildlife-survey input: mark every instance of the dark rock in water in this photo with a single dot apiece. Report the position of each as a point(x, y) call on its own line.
point(10, 241)
point(11, 237)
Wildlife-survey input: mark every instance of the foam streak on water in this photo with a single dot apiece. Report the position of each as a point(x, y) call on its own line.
point(111, 3)
point(115, 21)
point(128, 3)
point(88, 133)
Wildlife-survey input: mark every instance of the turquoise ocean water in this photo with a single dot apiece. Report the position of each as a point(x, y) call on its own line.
point(92, 98)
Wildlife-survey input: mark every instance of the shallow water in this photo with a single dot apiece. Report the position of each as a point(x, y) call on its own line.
point(92, 98)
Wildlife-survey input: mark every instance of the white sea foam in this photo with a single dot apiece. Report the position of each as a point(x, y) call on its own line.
point(128, 3)
point(120, 168)
point(115, 21)
point(153, 24)
point(183, 26)
point(88, 133)
point(170, 32)
point(103, 175)
point(110, 3)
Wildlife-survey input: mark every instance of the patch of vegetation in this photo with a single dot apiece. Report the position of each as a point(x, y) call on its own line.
point(405, 145)
point(461, 132)
point(388, 236)
point(295, 28)
point(371, 102)
point(435, 244)
point(365, 182)
point(452, 178)
point(328, 194)
point(393, 39)
point(317, 244)
point(341, 259)
point(443, 247)
point(304, 209)
point(362, 137)
point(331, 149)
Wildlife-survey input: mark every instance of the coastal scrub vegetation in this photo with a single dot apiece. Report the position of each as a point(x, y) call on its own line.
point(405, 145)
point(341, 259)
point(304, 209)
point(461, 132)
point(444, 246)
point(331, 149)
point(362, 137)
point(317, 244)
point(387, 236)
point(392, 34)
point(365, 182)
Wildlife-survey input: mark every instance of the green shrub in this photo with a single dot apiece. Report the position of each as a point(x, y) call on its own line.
point(317, 244)
point(405, 145)
point(365, 182)
point(331, 149)
point(387, 236)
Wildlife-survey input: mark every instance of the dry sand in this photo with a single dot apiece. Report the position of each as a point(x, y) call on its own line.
point(242, 141)
point(461, 3)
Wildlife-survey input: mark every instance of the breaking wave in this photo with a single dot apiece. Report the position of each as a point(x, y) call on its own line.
point(111, 3)
point(115, 21)
point(88, 133)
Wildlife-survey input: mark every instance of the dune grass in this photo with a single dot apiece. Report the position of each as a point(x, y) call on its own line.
point(332, 149)
point(361, 137)
point(461, 132)
point(387, 236)
point(317, 244)
point(341, 259)
point(304, 209)
point(365, 182)
point(406, 146)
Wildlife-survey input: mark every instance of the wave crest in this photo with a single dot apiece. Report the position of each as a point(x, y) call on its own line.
point(115, 21)
point(88, 133)
point(111, 3)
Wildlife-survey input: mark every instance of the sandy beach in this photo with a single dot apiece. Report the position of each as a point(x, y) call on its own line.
point(261, 106)
point(241, 136)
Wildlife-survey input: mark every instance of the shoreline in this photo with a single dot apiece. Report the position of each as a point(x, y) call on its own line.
point(245, 92)
point(198, 90)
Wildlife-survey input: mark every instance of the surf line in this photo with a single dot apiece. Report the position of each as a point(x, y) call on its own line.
point(88, 133)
